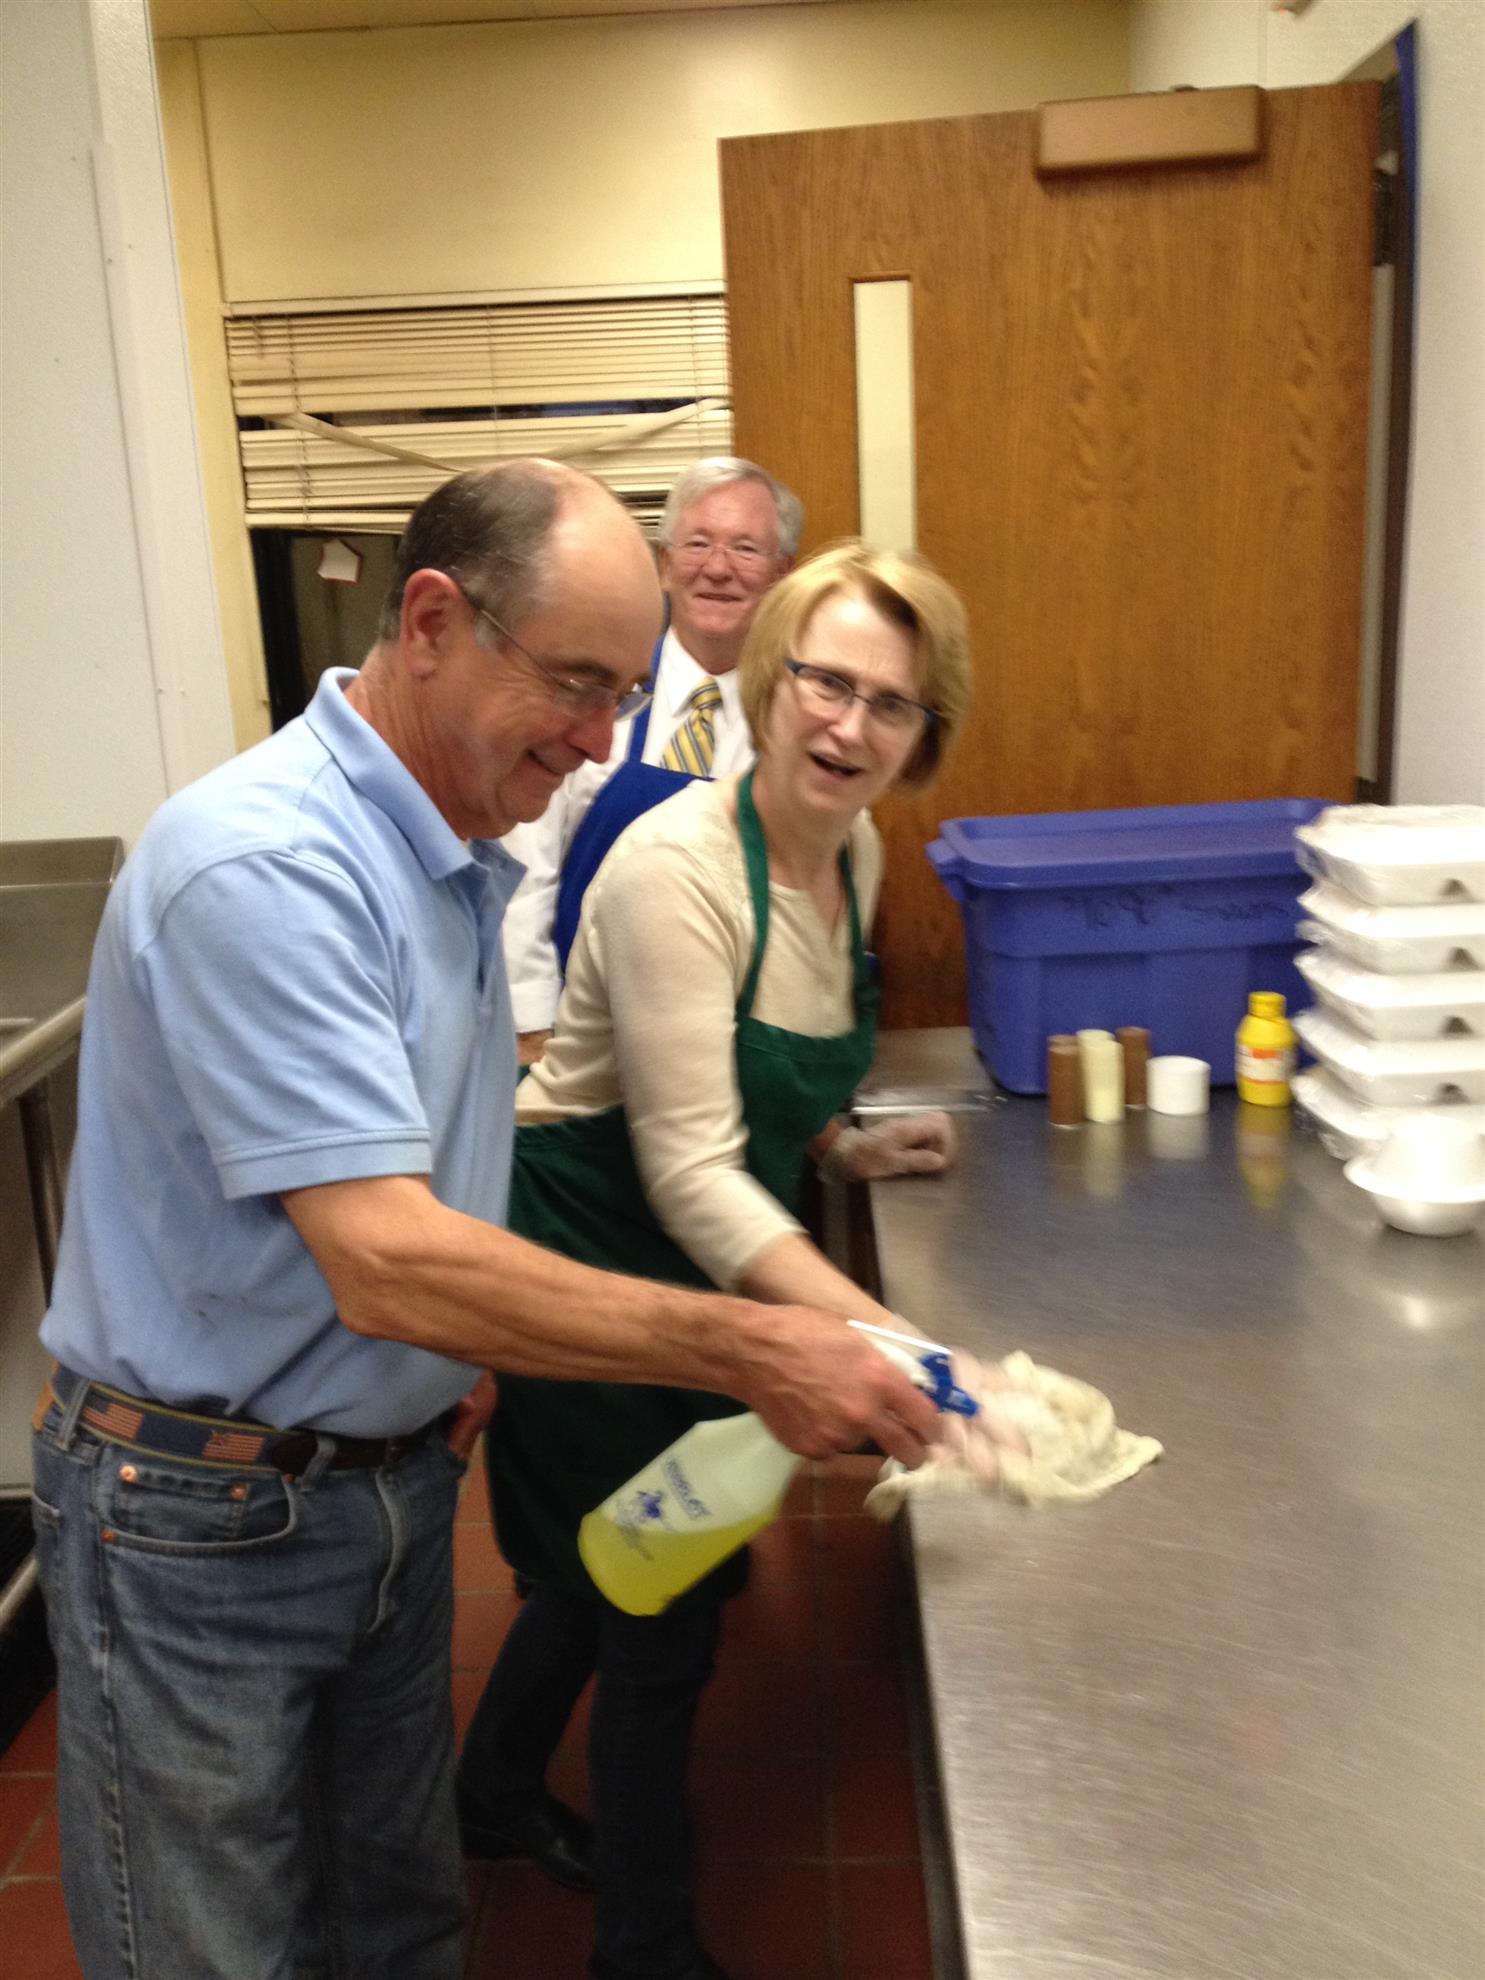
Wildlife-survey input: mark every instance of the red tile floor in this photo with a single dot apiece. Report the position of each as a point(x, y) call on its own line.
point(807, 1847)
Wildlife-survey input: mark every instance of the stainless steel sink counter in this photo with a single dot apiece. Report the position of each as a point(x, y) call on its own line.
point(1227, 1723)
point(52, 893)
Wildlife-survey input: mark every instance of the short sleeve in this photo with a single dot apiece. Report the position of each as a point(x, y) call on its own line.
point(273, 984)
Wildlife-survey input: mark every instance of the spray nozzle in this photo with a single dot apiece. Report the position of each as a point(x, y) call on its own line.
point(945, 1390)
point(927, 1363)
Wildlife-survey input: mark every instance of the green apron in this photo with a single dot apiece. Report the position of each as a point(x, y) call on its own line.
point(557, 1449)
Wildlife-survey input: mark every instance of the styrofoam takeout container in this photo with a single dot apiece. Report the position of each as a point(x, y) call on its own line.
point(1432, 1005)
point(1349, 1125)
point(1405, 941)
point(1395, 1072)
point(1392, 855)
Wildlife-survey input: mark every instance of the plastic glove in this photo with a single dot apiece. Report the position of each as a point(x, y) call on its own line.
point(902, 1145)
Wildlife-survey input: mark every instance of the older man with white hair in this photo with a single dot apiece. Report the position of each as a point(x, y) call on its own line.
point(730, 531)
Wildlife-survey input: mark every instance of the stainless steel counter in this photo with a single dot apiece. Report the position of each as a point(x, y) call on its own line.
point(1229, 1723)
point(52, 893)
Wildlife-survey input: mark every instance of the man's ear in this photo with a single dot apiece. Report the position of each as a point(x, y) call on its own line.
point(431, 607)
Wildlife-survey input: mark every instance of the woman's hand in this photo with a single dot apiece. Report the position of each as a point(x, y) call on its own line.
point(902, 1145)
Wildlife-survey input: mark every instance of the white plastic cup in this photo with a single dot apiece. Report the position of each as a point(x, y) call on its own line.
point(1178, 1086)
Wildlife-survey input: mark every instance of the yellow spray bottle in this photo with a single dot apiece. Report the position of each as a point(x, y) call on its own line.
point(1265, 1051)
point(714, 1488)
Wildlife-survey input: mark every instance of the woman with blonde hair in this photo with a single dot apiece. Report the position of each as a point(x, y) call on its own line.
point(719, 1011)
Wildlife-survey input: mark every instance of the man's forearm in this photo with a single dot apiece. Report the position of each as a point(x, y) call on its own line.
point(404, 1267)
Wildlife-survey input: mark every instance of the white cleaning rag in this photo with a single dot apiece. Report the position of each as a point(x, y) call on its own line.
point(1074, 1450)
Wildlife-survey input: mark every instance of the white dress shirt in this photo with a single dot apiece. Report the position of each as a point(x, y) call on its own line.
point(542, 846)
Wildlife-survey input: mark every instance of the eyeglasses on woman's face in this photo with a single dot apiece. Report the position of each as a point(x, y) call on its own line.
point(896, 713)
point(583, 697)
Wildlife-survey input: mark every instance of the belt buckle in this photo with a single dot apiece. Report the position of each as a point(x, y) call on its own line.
point(292, 1452)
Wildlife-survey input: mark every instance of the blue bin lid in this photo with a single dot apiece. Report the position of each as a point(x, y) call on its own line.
point(1111, 848)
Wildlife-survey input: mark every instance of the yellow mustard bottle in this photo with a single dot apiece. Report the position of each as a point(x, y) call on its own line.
point(1265, 1051)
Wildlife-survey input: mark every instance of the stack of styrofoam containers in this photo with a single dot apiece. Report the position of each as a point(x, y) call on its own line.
point(1397, 913)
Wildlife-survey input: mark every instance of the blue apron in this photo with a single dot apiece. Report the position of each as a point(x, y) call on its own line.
point(634, 788)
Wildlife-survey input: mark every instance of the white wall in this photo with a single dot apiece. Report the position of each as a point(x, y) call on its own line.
point(578, 154)
point(112, 689)
point(1203, 44)
point(1440, 754)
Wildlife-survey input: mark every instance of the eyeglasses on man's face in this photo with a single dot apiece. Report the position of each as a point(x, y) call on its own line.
point(742, 552)
point(583, 697)
point(823, 689)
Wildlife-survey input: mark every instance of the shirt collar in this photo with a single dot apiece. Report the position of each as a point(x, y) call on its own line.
point(503, 871)
point(679, 676)
point(382, 777)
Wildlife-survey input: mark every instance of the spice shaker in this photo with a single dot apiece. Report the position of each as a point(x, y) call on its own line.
point(1064, 1081)
point(1103, 1076)
point(1135, 1040)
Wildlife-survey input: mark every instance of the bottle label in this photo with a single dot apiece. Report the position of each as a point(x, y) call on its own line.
point(690, 1500)
point(1266, 1065)
point(662, 1498)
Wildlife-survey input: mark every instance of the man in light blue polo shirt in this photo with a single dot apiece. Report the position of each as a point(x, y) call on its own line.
point(282, 1267)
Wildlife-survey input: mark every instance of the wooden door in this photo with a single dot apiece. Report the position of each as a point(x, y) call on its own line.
point(1140, 402)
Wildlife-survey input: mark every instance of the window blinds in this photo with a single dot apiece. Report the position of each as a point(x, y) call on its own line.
point(633, 391)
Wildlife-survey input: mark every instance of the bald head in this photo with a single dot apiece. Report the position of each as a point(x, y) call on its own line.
point(492, 530)
point(524, 608)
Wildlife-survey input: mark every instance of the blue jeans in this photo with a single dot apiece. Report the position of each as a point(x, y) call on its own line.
point(255, 1765)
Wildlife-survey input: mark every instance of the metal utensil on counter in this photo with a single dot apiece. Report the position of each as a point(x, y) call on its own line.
point(871, 1101)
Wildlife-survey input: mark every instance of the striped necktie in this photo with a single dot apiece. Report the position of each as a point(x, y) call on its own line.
point(694, 743)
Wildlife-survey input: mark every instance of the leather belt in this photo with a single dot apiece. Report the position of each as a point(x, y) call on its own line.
point(230, 1443)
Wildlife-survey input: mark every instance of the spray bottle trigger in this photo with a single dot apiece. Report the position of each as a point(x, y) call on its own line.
point(946, 1392)
point(932, 1371)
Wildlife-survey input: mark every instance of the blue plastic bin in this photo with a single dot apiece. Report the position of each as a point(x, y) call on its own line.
point(1165, 917)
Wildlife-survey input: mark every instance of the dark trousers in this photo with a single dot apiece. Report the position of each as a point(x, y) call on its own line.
point(650, 1671)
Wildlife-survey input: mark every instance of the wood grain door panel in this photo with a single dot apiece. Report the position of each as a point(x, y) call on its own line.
point(1140, 403)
